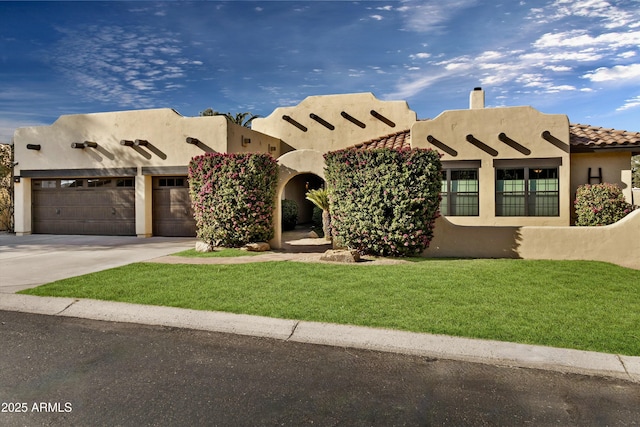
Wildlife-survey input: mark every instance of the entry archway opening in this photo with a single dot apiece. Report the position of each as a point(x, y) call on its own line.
point(296, 190)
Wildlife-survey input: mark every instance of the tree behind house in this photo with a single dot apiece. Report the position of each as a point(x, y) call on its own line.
point(242, 119)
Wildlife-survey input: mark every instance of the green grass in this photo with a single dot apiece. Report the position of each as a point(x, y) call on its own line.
point(571, 304)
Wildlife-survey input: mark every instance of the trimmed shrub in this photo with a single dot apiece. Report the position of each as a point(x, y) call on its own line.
point(600, 204)
point(383, 201)
point(233, 197)
point(289, 214)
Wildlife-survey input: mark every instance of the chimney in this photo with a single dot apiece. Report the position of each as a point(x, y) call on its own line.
point(476, 99)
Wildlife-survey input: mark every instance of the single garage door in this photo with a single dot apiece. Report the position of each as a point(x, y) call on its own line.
point(172, 214)
point(102, 206)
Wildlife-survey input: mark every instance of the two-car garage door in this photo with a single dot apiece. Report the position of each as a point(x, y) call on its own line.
point(106, 206)
point(84, 206)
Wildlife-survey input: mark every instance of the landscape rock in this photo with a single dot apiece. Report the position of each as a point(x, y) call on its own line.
point(258, 247)
point(341, 255)
point(203, 247)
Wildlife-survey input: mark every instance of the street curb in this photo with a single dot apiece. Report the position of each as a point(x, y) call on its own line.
point(386, 340)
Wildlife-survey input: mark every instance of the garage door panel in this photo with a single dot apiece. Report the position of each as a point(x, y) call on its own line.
point(78, 209)
point(172, 213)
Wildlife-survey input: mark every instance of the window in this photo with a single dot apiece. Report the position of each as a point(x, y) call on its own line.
point(125, 182)
point(45, 184)
point(71, 183)
point(527, 191)
point(171, 182)
point(459, 192)
point(98, 182)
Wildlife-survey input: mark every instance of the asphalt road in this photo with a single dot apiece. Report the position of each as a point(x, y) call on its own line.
point(67, 371)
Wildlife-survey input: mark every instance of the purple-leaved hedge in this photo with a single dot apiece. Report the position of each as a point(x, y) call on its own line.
point(383, 201)
point(233, 197)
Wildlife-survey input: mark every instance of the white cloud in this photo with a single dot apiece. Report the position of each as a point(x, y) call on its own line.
point(630, 103)
point(118, 65)
point(616, 73)
point(558, 68)
point(408, 89)
point(610, 15)
point(377, 17)
point(581, 39)
point(421, 55)
point(423, 16)
point(542, 58)
point(490, 55)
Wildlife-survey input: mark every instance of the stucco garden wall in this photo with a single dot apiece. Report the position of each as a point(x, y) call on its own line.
point(617, 243)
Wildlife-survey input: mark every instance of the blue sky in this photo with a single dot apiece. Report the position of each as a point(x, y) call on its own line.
point(576, 57)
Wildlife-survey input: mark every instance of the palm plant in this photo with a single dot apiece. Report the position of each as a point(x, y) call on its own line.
point(239, 119)
point(320, 198)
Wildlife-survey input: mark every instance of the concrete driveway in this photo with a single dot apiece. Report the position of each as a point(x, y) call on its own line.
point(29, 261)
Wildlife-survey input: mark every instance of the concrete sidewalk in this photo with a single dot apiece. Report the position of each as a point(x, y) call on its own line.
point(427, 345)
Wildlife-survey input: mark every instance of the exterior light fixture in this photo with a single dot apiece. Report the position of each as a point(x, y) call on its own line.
point(33, 147)
point(126, 142)
point(245, 141)
point(194, 141)
point(141, 143)
point(90, 144)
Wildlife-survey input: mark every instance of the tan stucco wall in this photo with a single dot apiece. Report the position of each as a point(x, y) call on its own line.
point(616, 169)
point(329, 107)
point(523, 125)
point(291, 165)
point(617, 243)
point(164, 129)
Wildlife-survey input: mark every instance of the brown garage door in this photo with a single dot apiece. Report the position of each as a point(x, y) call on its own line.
point(172, 214)
point(103, 206)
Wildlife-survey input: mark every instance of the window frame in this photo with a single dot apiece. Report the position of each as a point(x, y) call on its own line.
point(529, 196)
point(449, 196)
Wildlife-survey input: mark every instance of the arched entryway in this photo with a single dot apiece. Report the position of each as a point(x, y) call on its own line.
point(296, 190)
point(297, 170)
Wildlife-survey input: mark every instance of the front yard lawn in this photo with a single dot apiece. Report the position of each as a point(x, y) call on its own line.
point(571, 304)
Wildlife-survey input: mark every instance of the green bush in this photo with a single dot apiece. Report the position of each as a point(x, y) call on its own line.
point(600, 204)
point(383, 201)
point(289, 214)
point(316, 220)
point(233, 197)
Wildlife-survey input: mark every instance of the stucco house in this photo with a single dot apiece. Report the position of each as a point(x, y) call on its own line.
point(124, 172)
